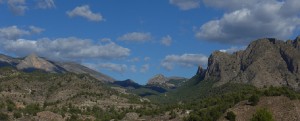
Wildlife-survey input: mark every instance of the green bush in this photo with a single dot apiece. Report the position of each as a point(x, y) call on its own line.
point(254, 99)
point(32, 109)
point(3, 117)
point(262, 115)
point(230, 116)
point(17, 115)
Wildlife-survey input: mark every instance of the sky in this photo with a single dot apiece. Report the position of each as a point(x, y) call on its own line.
point(138, 39)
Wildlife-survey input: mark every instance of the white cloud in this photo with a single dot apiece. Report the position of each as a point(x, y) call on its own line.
point(136, 37)
point(45, 4)
point(147, 58)
point(60, 48)
point(36, 30)
point(121, 68)
point(136, 59)
point(12, 32)
point(145, 68)
point(167, 40)
point(18, 7)
point(186, 4)
point(85, 12)
point(185, 60)
point(133, 68)
point(233, 49)
point(247, 20)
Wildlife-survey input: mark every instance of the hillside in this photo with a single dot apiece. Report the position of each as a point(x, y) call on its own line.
point(33, 62)
point(281, 108)
point(64, 95)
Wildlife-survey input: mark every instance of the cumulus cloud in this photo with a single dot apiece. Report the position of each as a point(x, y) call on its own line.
point(147, 58)
point(12, 32)
point(145, 68)
point(167, 40)
point(136, 59)
point(18, 7)
point(45, 4)
point(120, 68)
point(136, 37)
point(85, 12)
point(60, 48)
point(247, 20)
point(186, 4)
point(36, 30)
point(133, 68)
point(185, 60)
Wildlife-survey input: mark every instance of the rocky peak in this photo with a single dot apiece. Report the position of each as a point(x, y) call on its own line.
point(157, 79)
point(264, 62)
point(32, 62)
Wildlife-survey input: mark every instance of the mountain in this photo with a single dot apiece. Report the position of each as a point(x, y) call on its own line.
point(8, 61)
point(80, 69)
point(265, 62)
point(128, 83)
point(168, 82)
point(33, 62)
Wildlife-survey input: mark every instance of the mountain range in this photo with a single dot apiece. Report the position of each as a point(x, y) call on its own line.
point(36, 88)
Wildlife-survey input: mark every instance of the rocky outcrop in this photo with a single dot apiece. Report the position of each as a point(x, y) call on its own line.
point(32, 62)
point(264, 62)
point(169, 82)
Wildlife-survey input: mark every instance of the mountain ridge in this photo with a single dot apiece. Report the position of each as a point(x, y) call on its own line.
point(34, 62)
point(265, 62)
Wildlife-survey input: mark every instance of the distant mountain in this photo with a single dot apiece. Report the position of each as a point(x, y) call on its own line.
point(128, 83)
point(80, 69)
point(168, 82)
point(33, 62)
point(265, 62)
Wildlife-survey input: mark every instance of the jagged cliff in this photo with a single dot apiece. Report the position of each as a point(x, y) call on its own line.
point(264, 62)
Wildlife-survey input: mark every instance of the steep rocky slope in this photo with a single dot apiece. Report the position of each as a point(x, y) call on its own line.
point(264, 62)
point(32, 62)
point(80, 69)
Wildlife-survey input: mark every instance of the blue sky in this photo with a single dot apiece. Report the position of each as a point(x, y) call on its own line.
point(138, 39)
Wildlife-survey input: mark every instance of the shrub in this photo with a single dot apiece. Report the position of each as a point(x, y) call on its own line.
point(17, 115)
point(3, 117)
point(254, 99)
point(32, 109)
point(230, 116)
point(262, 115)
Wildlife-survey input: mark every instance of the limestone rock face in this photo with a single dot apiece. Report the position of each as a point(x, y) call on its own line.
point(265, 62)
point(169, 82)
point(34, 62)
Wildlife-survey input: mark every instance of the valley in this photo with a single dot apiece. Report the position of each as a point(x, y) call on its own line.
point(34, 88)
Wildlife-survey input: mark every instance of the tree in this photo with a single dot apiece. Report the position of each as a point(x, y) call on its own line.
point(254, 99)
point(262, 115)
point(230, 116)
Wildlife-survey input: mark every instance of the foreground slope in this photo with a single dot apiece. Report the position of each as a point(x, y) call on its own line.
point(73, 96)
